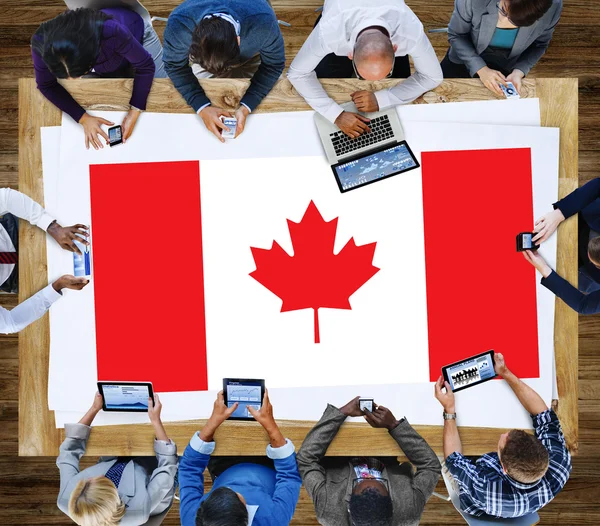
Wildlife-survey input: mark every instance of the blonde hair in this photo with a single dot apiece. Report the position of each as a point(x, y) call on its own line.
point(96, 502)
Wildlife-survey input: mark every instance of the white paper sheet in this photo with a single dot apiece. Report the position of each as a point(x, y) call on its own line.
point(299, 403)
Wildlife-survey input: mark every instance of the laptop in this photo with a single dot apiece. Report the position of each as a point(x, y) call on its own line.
point(373, 156)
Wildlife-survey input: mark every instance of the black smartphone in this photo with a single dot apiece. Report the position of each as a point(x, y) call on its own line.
point(115, 135)
point(525, 242)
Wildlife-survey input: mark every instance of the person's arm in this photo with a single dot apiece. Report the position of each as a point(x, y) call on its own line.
point(272, 60)
point(74, 445)
point(287, 482)
point(176, 56)
point(427, 76)
point(579, 199)
point(303, 77)
point(129, 48)
point(421, 456)
point(313, 450)
point(52, 90)
point(549, 433)
point(530, 400)
point(22, 206)
point(536, 50)
point(578, 301)
point(35, 307)
point(459, 36)
point(161, 486)
point(445, 397)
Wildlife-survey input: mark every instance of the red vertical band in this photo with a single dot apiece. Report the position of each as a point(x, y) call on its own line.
point(481, 294)
point(148, 274)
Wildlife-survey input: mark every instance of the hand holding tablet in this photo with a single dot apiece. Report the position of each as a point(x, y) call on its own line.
point(471, 371)
point(126, 396)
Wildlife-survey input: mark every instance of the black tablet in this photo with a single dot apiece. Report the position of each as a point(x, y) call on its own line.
point(126, 396)
point(373, 166)
point(470, 371)
point(246, 392)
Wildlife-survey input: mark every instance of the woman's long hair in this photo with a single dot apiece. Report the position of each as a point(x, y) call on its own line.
point(69, 44)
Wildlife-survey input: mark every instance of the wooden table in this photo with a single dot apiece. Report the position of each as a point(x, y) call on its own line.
point(37, 432)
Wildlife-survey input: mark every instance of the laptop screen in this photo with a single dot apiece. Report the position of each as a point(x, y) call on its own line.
point(374, 166)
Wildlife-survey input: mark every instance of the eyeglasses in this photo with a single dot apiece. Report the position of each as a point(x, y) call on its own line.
point(358, 75)
point(502, 11)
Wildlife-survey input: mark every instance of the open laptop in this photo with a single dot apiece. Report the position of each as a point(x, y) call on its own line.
point(373, 156)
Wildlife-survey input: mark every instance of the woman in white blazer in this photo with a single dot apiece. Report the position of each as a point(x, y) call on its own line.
point(125, 491)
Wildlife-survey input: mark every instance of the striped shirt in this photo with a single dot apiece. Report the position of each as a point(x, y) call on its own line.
point(485, 489)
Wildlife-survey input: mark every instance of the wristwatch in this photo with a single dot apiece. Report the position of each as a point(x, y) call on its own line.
point(449, 416)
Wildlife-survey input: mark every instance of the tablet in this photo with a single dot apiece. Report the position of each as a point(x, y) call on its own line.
point(246, 392)
point(373, 166)
point(471, 371)
point(125, 396)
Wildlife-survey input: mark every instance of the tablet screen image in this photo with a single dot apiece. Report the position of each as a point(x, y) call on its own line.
point(374, 167)
point(247, 393)
point(125, 397)
point(470, 372)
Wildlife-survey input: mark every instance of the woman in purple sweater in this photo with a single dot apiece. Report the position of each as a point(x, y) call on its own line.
point(111, 42)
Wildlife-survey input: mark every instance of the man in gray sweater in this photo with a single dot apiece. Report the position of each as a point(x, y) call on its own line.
point(367, 491)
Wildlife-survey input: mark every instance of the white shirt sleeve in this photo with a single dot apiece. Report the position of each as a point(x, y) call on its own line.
point(20, 205)
point(427, 76)
point(27, 312)
point(303, 77)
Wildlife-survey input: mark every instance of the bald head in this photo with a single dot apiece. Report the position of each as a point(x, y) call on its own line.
point(373, 54)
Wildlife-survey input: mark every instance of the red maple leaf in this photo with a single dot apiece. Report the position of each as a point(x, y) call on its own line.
point(314, 276)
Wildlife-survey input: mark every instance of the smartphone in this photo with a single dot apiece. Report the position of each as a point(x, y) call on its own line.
point(115, 135)
point(366, 404)
point(525, 242)
point(470, 371)
point(231, 123)
point(510, 92)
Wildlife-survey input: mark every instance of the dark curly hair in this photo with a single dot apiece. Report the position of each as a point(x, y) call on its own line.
point(370, 508)
point(69, 44)
point(222, 508)
point(214, 45)
point(523, 13)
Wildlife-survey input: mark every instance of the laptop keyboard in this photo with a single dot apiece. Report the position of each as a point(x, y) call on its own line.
point(381, 130)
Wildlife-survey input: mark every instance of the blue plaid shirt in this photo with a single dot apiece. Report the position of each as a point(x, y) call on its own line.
point(486, 490)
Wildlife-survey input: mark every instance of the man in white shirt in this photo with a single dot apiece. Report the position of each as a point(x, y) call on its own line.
point(373, 39)
point(19, 205)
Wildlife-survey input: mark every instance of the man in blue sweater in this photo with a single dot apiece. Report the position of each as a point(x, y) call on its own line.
point(220, 39)
point(245, 492)
point(584, 201)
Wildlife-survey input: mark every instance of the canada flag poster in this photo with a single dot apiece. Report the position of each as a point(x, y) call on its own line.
point(261, 268)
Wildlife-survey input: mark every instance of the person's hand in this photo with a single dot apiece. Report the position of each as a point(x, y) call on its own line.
point(219, 414)
point(499, 365)
point(381, 417)
point(65, 235)
point(69, 282)
point(154, 409)
point(129, 123)
point(264, 416)
point(352, 408)
point(98, 403)
point(92, 127)
point(220, 411)
point(538, 262)
point(211, 118)
point(241, 113)
point(365, 101)
point(546, 225)
point(445, 398)
point(352, 124)
point(492, 79)
point(516, 77)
